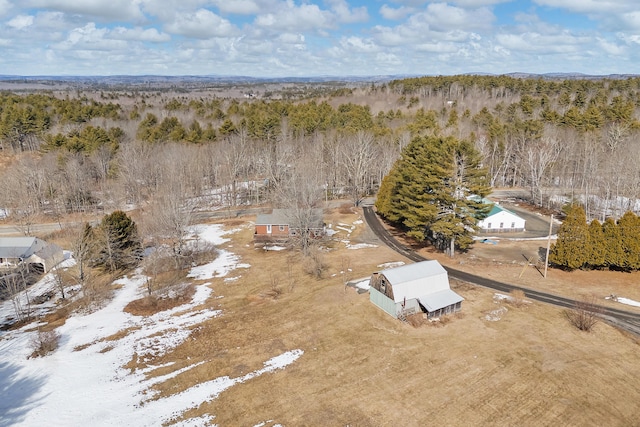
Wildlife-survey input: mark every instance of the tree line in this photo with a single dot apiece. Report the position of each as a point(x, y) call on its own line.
point(78, 151)
point(612, 245)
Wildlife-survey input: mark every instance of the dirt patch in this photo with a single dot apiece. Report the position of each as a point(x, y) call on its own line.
point(152, 304)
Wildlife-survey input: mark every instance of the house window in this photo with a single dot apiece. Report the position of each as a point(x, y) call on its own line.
point(501, 225)
point(281, 228)
point(489, 225)
point(269, 229)
point(513, 225)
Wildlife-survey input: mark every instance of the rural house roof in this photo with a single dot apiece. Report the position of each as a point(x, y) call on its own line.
point(285, 217)
point(20, 247)
point(415, 280)
point(426, 281)
point(438, 300)
point(496, 209)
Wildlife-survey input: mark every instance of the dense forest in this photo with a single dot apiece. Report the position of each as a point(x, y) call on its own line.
point(106, 149)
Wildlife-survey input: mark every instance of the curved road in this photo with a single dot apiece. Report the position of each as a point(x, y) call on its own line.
point(623, 319)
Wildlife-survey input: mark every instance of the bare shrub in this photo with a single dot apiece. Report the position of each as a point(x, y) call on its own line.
point(416, 320)
point(275, 291)
point(153, 303)
point(44, 342)
point(314, 263)
point(346, 208)
point(585, 314)
point(517, 298)
point(445, 319)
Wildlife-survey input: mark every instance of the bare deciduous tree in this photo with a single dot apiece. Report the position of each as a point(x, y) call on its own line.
point(537, 158)
point(585, 314)
point(300, 193)
point(357, 155)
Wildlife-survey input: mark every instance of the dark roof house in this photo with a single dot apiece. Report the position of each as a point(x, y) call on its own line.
point(280, 224)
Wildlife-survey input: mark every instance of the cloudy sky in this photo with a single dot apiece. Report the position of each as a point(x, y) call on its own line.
point(282, 38)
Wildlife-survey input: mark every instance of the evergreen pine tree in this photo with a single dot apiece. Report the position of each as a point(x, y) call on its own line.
point(629, 226)
point(428, 191)
point(571, 248)
point(597, 246)
point(613, 254)
point(117, 244)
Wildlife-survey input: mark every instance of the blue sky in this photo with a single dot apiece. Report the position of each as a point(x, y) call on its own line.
point(279, 38)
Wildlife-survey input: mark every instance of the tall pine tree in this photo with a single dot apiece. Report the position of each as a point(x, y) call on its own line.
point(571, 248)
point(613, 253)
point(428, 191)
point(629, 226)
point(597, 247)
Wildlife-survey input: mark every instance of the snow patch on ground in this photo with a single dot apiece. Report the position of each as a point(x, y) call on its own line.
point(394, 264)
point(220, 267)
point(85, 382)
point(363, 284)
point(623, 300)
point(360, 246)
point(495, 315)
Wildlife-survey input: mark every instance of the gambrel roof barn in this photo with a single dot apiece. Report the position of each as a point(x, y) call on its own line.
point(423, 286)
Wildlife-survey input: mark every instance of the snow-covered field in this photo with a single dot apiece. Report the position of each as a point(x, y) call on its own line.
point(83, 383)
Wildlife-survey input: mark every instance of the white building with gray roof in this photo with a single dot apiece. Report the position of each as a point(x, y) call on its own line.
point(413, 288)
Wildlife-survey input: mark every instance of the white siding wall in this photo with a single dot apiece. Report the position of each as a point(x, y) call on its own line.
point(508, 221)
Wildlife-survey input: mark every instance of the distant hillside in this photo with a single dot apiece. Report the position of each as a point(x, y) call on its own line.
point(188, 81)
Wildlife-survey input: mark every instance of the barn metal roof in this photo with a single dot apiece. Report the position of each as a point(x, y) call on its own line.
point(409, 272)
point(441, 299)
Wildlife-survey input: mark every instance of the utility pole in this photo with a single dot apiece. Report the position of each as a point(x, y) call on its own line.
point(546, 260)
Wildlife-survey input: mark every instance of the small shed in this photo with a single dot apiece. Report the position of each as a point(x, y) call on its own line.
point(281, 224)
point(501, 220)
point(413, 288)
point(34, 252)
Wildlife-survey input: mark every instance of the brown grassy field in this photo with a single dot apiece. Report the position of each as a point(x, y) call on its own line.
point(360, 367)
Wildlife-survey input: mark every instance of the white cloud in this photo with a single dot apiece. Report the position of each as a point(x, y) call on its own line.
point(21, 22)
point(612, 48)
point(442, 17)
point(290, 17)
point(346, 14)
point(591, 6)
point(102, 9)
point(543, 43)
point(5, 6)
point(631, 20)
point(202, 24)
point(90, 38)
point(395, 14)
point(140, 34)
point(629, 38)
point(358, 44)
point(477, 3)
point(240, 7)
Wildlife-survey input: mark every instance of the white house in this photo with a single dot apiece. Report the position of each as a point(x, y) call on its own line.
point(34, 252)
point(501, 220)
point(420, 287)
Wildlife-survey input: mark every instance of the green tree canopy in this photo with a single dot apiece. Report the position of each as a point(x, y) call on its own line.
point(571, 248)
point(116, 242)
point(429, 191)
point(613, 254)
point(629, 226)
point(597, 247)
